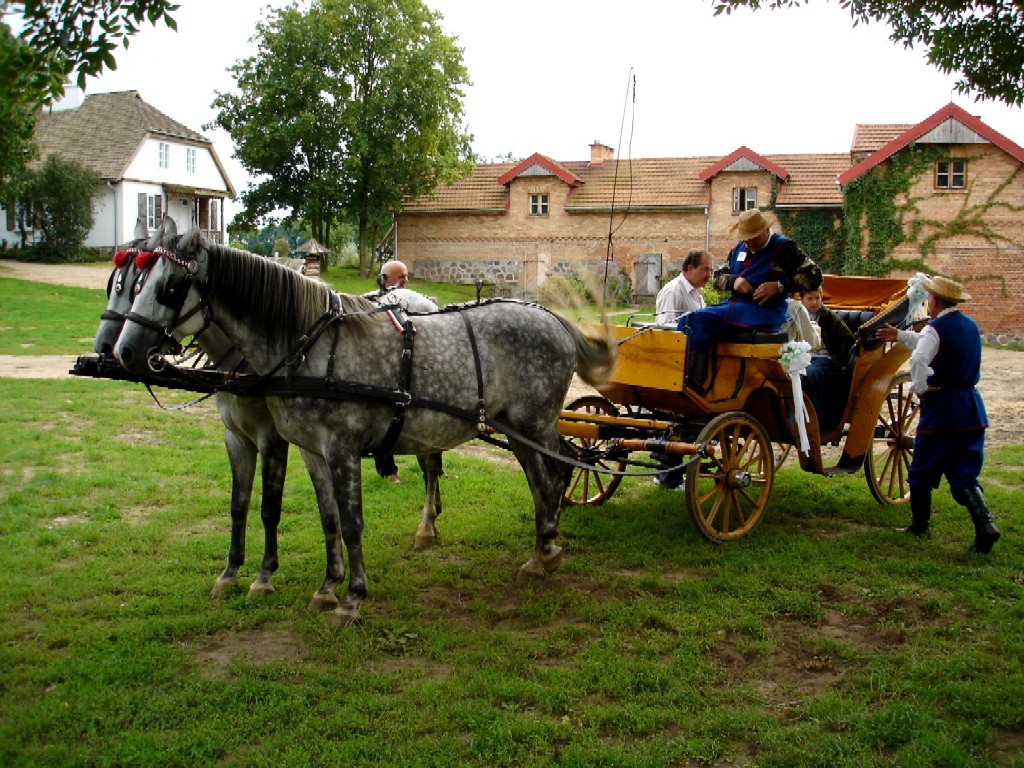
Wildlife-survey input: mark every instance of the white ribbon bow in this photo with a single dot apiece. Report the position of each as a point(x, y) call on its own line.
point(795, 356)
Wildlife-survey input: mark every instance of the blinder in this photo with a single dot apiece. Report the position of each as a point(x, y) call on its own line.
point(172, 290)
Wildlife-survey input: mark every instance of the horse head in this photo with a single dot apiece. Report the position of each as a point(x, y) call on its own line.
point(166, 304)
point(125, 281)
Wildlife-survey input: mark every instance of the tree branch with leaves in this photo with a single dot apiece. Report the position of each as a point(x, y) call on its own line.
point(981, 40)
point(348, 108)
point(67, 41)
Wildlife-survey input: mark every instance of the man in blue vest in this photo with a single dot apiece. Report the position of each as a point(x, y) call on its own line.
point(945, 366)
point(760, 273)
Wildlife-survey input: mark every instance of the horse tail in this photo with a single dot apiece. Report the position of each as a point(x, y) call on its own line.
point(595, 354)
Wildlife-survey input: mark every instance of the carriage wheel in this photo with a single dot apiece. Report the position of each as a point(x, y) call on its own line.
point(587, 487)
point(780, 452)
point(888, 460)
point(727, 493)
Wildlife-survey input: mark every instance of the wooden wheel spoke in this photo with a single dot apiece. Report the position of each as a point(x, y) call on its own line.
point(728, 494)
point(887, 464)
point(587, 486)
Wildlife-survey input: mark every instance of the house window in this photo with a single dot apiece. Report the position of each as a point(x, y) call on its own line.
point(950, 174)
point(190, 159)
point(538, 205)
point(151, 209)
point(163, 150)
point(744, 199)
point(214, 208)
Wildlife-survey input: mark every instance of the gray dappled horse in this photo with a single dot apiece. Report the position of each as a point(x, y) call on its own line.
point(509, 361)
point(248, 426)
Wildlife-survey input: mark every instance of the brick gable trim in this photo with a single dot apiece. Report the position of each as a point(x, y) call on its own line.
point(743, 153)
point(544, 162)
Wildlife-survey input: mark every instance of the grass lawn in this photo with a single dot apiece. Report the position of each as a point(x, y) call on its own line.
point(822, 639)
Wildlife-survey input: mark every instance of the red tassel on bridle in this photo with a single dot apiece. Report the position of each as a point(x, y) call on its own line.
point(145, 259)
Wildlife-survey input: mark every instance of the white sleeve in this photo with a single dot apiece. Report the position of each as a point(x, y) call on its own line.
point(925, 346)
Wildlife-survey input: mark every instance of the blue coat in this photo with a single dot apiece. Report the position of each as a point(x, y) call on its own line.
point(955, 404)
point(757, 268)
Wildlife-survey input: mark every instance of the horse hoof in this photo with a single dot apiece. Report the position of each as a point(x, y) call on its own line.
point(224, 587)
point(259, 589)
point(540, 565)
point(346, 617)
point(423, 541)
point(530, 572)
point(323, 603)
point(552, 561)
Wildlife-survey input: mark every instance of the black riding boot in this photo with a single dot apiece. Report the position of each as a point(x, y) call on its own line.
point(696, 371)
point(920, 512)
point(985, 532)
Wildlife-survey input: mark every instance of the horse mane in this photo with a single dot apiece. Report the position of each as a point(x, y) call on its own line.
point(275, 300)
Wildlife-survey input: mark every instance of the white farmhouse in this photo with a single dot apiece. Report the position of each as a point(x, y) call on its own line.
point(150, 165)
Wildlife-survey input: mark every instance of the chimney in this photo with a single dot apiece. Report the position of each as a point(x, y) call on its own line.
point(72, 99)
point(600, 154)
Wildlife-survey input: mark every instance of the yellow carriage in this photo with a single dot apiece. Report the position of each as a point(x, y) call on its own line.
point(737, 434)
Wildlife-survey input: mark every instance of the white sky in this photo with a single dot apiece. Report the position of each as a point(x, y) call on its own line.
point(552, 76)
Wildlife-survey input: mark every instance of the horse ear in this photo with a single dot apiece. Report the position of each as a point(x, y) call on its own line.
point(170, 231)
point(141, 232)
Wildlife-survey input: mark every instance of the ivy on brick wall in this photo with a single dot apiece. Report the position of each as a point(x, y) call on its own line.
point(971, 220)
point(872, 211)
point(819, 234)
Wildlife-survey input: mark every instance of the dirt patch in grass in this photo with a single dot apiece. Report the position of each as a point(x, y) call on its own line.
point(138, 437)
point(259, 646)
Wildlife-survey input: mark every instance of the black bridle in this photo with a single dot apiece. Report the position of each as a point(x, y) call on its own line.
point(172, 293)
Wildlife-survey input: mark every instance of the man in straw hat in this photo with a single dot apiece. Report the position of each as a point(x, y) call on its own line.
point(944, 368)
point(760, 273)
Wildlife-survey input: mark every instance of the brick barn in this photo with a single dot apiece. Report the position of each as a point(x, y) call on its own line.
point(944, 195)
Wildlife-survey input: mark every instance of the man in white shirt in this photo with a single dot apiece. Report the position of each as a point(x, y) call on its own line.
point(685, 292)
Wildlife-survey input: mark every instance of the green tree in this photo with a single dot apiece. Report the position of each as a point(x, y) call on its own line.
point(348, 108)
point(61, 193)
point(979, 39)
point(17, 123)
point(71, 39)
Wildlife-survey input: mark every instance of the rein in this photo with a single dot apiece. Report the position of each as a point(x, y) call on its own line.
point(269, 385)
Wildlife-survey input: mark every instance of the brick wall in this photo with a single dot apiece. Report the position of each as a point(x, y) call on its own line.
point(517, 251)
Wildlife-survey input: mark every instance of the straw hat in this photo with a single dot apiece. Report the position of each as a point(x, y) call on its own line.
point(945, 289)
point(751, 224)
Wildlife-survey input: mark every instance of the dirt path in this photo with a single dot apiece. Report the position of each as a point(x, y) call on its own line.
point(1002, 370)
point(77, 275)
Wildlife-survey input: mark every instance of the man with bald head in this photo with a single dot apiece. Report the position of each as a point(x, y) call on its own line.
point(393, 279)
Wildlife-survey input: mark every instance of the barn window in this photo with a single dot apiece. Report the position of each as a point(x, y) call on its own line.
point(538, 205)
point(744, 199)
point(950, 174)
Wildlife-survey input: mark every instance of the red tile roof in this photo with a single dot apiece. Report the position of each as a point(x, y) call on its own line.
point(672, 182)
point(869, 138)
point(949, 112)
